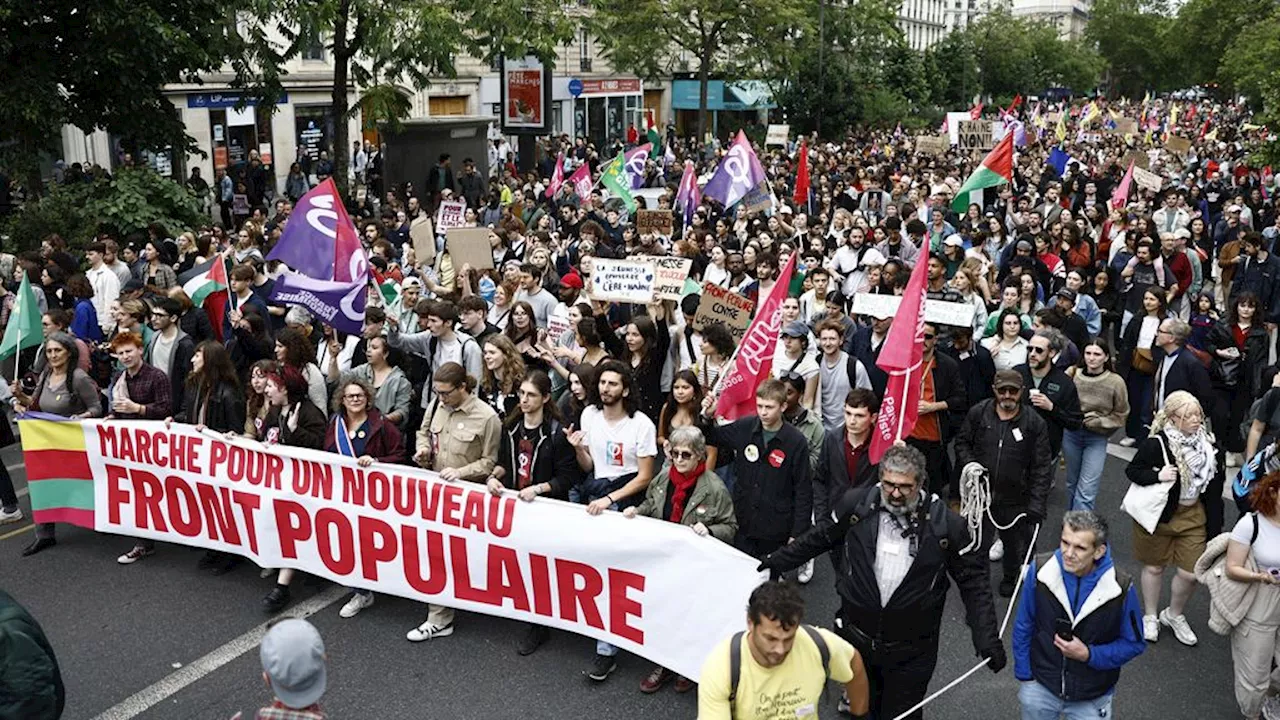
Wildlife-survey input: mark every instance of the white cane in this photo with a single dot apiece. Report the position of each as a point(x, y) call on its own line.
point(1008, 613)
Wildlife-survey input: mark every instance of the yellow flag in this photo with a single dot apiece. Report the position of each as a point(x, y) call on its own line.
point(1061, 131)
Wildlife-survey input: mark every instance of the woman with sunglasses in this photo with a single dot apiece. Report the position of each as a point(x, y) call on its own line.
point(688, 493)
point(535, 459)
point(358, 430)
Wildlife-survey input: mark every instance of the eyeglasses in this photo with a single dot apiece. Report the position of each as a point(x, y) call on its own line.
point(896, 488)
point(353, 396)
point(159, 315)
point(1037, 350)
point(682, 455)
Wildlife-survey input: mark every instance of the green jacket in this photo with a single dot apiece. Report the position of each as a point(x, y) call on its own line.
point(709, 503)
point(809, 423)
point(30, 684)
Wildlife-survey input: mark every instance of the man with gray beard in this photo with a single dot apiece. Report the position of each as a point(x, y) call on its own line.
point(899, 545)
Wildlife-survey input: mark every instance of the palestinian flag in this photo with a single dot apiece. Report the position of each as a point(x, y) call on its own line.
point(58, 473)
point(205, 284)
point(996, 169)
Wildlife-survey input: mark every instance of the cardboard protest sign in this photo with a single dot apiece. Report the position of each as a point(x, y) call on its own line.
point(396, 530)
point(469, 246)
point(758, 199)
point(1147, 180)
point(724, 306)
point(777, 135)
point(1126, 126)
point(423, 236)
point(935, 311)
point(932, 144)
point(628, 281)
point(658, 222)
point(975, 135)
point(1138, 158)
point(451, 214)
point(1178, 146)
point(670, 272)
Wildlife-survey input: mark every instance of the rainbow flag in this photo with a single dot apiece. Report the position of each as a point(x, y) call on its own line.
point(58, 475)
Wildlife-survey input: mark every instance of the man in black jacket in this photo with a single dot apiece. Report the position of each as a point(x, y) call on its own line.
point(977, 370)
point(844, 463)
point(30, 682)
point(1012, 444)
point(899, 545)
point(1048, 389)
point(772, 492)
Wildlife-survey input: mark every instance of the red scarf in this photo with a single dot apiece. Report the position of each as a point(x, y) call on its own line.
point(682, 485)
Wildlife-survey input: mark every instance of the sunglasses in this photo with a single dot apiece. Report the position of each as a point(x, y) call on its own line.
point(1037, 350)
point(929, 336)
point(1008, 391)
point(682, 454)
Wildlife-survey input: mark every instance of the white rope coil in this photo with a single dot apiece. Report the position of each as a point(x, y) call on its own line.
point(975, 504)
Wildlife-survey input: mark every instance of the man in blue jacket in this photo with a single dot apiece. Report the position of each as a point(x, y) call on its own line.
point(1078, 623)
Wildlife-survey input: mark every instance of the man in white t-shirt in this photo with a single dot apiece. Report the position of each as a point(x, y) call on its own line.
point(617, 445)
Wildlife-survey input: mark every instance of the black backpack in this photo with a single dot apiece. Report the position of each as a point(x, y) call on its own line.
point(735, 660)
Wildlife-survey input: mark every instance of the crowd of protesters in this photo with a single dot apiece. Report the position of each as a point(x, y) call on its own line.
point(1149, 321)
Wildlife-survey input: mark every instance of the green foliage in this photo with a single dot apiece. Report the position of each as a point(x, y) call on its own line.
point(1136, 39)
point(1205, 30)
point(1249, 64)
point(132, 199)
point(385, 106)
point(729, 38)
point(102, 65)
point(377, 41)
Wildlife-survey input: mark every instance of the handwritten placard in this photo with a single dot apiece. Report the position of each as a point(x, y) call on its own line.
point(670, 273)
point(935, 311)
point(975, 135)
point(1147, 180)
point(1178, 145)
point(657, 222)
point(724, 306)
point(933, 144)
point(451, 214)
point(777, 135)
point(628, 281)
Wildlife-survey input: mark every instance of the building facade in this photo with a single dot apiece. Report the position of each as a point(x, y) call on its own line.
point(1070, 16)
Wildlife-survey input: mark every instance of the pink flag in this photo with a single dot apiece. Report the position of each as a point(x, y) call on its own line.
point(901, 358)
point(689, 195)
point(754, 359)
point(1120, 196)
point(581, 181)
point(557, 178)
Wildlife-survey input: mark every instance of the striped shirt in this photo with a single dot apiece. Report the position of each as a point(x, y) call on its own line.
point(893, 557)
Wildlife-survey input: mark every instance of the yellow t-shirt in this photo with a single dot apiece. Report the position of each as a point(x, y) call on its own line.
point(788, 691)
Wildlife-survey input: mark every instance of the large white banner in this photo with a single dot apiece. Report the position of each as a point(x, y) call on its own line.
point(652, 588)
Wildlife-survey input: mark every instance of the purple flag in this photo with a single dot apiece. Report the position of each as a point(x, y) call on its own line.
point(634, 164)
point(331, 271)
point(739, 172)
point(688, 196)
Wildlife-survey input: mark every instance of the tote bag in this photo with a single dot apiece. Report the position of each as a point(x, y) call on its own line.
point(1145, 503)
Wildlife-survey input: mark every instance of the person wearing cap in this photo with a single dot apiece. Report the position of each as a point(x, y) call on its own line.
point(1073, 326)
point(410, 294)
point(294, 667)
point(1008, 441)
point(1228, 228)
point(795, 359)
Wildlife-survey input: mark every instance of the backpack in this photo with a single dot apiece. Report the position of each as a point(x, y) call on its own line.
point(735, 660)
point(1262, 463)
point(1263, 407)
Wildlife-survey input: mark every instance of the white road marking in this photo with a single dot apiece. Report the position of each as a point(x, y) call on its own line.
point(170, 685)
point(1117, 450)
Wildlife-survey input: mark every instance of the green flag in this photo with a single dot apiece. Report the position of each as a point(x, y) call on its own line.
point(655, 140)
point(24, 328)
point(615, 178)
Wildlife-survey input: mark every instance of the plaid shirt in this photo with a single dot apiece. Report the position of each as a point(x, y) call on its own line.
point(148, 387)
point(278, 711)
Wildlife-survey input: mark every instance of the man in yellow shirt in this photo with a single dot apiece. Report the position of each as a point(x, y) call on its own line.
point(780, 671)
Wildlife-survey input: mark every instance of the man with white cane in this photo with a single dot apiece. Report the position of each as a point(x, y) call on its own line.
point(899, 546)
point(1003, 448)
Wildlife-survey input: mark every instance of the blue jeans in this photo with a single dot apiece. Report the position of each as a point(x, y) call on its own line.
point(1040, 704)
point(1086, 452)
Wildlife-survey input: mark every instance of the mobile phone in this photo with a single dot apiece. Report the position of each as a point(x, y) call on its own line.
point(1064, 629)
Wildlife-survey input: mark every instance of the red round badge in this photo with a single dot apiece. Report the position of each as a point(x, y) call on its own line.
point(776, 458)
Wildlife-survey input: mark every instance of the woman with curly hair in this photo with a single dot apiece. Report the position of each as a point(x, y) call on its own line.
point(294, 350)
point(504, 369)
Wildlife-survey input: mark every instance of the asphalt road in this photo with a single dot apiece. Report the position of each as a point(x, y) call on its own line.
point(161, 640)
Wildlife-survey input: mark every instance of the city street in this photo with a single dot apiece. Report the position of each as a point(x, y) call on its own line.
point(161, 639)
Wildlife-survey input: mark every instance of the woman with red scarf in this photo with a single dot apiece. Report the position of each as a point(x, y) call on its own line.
point(687, 492)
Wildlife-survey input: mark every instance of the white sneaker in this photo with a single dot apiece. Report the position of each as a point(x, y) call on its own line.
point(1181, 629)
point(1150, 628)
point(996, 553)
point(1128, 442)
point(427, 631)
point(10, 517)
point(358, 602)
point(806, 573)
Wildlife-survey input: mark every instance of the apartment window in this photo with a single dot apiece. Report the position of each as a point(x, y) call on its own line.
point(495, 63)
point(313, 49)
point(584, 50)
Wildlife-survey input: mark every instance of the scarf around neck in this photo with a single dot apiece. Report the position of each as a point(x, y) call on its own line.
point(682, 488)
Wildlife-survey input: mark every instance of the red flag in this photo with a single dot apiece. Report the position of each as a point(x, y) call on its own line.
point(975, 112)
point(1017, 100)
point(802, 176)
point(902, 359)
point(557, 178)
point(754, 358)
point(1120, 196)
point(1204, 128)
point(581, 181)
